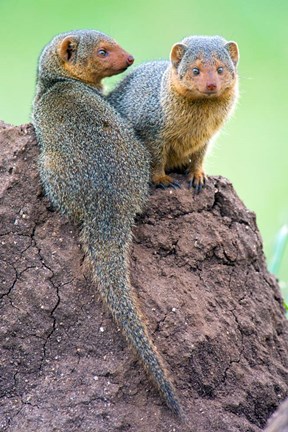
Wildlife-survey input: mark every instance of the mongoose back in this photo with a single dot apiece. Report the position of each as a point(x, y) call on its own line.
point(177, 107)
point(94, 170)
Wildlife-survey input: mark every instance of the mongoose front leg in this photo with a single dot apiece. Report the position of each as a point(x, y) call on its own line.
point(161, 180)
point(195, 173)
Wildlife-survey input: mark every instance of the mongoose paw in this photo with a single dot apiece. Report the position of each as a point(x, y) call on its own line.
point(198, 181)
point(174, 185)
point(165, 182)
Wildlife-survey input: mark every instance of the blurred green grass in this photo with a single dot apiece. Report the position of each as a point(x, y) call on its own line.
point(252, 151)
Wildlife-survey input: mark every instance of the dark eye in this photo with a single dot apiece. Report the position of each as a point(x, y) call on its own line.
point(196, 71)
point(102, 52)
point(220, 70)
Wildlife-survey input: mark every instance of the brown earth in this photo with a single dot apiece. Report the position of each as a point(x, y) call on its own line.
point(212, 309)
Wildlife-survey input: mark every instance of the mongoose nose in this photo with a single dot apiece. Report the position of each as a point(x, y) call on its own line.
point(211, 86)
point(130, 60)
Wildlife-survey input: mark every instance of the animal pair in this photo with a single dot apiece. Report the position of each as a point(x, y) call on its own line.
point(94, 166)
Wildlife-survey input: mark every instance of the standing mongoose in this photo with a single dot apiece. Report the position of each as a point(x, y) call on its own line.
point(177, 107)
point(94, 170)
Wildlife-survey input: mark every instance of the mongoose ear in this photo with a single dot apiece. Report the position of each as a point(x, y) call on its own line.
point(233, 50)
point(177, 52)
point(68, 48)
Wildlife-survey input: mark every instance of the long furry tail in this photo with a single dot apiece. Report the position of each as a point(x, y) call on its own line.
point(109, 260)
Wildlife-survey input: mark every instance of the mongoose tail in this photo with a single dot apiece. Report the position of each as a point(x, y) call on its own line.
point(108, 260)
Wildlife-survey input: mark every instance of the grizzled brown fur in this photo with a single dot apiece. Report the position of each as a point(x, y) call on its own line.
point(94, 170)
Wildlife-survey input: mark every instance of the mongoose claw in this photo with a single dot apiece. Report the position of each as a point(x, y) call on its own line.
point(174, 185)
point(197, 183)
point(164, 181)
point(198, 188)
point(160, 186)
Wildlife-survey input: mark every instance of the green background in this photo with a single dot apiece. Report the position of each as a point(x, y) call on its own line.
point(252, 150)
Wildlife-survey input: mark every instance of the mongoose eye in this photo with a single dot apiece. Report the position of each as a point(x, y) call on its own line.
point(220, 70)
point(196, 71)
point(102, 52)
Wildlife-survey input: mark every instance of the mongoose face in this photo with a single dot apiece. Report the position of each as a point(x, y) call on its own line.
point(204, 67)
point(88, 56)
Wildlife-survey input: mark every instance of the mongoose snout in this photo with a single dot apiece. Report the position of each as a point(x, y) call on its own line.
point(130, 60)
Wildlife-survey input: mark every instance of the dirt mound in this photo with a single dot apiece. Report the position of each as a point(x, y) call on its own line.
point(199, 273)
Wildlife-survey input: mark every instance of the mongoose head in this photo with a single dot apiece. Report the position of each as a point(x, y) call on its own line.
point(204, 67)
point(86, 55)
